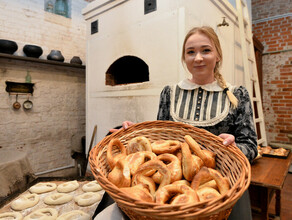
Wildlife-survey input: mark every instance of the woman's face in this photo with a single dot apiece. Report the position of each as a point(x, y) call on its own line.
point(200, 58)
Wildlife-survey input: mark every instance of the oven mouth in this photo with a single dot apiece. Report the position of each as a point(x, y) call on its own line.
point(127, 70)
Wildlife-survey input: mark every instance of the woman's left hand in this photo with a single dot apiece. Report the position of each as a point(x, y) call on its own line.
point(227, 138)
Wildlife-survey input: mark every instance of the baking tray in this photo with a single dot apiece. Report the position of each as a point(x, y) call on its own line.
point(5, 203)
point(277, 156)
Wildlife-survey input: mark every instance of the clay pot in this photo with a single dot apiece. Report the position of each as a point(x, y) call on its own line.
point(32, 51)
point(56, 55)
point(8, 46)
point(76, 60)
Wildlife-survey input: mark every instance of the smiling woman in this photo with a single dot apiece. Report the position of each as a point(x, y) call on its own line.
point(207, 101)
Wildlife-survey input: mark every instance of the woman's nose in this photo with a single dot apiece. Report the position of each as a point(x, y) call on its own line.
point(198, 57)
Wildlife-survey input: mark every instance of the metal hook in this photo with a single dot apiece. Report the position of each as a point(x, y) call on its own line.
point(224, 23)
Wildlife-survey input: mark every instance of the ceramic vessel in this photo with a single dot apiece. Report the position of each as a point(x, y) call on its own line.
point(32, 51)
point(56, 55)
point(76, 60)
point(8, 46)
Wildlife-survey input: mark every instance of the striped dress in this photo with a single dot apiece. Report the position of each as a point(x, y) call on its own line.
point(208, 107)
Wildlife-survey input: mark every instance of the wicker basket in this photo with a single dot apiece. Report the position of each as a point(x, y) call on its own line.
point(230, 161)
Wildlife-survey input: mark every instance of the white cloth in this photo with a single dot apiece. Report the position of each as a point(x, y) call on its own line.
point(15, 171)
point(111, 212)
point(214, 86)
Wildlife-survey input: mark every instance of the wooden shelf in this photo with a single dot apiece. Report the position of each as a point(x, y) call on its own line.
point(37, 60)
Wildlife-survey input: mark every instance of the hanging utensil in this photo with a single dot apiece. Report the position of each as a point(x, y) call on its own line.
point(16, 104)
point(27, 105)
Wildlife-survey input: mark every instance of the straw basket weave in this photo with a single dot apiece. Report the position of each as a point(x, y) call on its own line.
point(230, 161)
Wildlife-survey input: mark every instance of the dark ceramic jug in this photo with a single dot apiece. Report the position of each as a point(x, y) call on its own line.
point(8, 46)
point(32, 51)
point(76, 60)
point(56, 55)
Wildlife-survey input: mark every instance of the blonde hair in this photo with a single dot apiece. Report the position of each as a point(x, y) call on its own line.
point(210, 33)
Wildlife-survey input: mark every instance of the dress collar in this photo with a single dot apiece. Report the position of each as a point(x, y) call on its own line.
point(188, 85)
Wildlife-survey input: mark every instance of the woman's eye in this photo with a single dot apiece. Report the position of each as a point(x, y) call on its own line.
point(206, 51)
point(190, 52)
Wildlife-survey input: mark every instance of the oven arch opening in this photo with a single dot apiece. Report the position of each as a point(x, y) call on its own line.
point(126, 70)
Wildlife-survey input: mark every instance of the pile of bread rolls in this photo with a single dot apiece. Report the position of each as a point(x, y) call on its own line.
point(272, 151)
point(165, 171)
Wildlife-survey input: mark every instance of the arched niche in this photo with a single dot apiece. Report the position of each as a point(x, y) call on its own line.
point(127, 69)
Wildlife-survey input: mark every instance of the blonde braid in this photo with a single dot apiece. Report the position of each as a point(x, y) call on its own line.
point(222, 83)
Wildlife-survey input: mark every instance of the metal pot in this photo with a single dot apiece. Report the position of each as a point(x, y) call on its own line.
point(27, 105)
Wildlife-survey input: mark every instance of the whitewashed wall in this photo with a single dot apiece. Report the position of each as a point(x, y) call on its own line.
point(157, 39)
point(56, 122)
point(26, 22)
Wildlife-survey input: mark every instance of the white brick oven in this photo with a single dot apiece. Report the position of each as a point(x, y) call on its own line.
point(119, 28)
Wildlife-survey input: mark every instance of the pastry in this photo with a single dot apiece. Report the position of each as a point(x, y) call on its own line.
point(42, 188)
point(208, 157)
point(280, 151)
point(68, 186)
point(87, 199)
point(42, 214)
point(138, 144)
point(25, 201)
point(57, 199)
point(181, 193)
point(112, 158)
point(173, 164)
point(92, 186)
point(74, 215)
point(165, 146)
point(11, 215)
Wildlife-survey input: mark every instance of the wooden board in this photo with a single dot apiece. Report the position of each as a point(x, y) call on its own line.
point(5, 205)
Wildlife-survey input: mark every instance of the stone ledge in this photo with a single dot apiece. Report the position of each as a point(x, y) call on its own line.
point(37, 60)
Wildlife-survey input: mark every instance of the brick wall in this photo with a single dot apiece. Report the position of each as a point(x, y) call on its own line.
point(268, 8)
point(56, 123)
point(274, 34)
point(272, 25)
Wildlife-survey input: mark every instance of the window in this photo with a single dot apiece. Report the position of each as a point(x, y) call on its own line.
point(59, 7)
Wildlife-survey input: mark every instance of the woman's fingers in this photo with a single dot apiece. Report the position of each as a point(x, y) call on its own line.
point(113, 130)
point(227, 138)
point(125, 125)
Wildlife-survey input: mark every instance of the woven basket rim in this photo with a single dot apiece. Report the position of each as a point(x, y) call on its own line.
point(123, 200)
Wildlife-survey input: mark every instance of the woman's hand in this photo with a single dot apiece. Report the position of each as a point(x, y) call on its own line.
point(227, 138)
point(125, 125)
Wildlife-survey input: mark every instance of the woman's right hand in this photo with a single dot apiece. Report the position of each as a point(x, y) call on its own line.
point(125, 125)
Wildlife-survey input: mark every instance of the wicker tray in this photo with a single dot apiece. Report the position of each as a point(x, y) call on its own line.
point(230, 161)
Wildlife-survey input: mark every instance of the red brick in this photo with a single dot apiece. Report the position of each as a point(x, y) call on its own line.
point(282, 139)
point(276, 81)
point(287, 89)
point(276, 97)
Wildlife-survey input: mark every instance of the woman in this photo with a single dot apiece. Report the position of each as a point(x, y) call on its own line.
point(207, 101)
